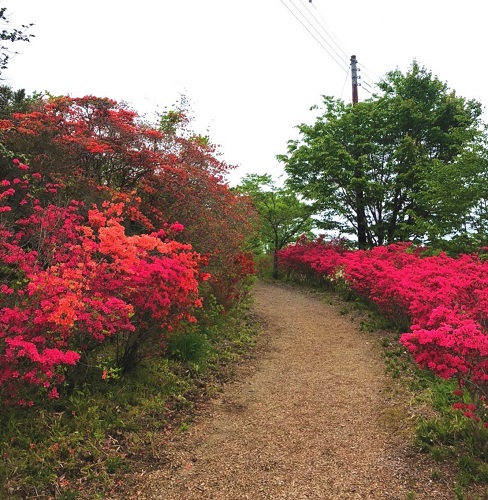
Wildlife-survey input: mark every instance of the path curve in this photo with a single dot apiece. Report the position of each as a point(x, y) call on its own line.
point(307, 423)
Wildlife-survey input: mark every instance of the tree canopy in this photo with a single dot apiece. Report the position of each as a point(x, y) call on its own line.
point(282, 215)
point(407, 164)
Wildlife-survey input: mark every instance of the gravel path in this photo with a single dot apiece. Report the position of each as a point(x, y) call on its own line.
point(311, 420)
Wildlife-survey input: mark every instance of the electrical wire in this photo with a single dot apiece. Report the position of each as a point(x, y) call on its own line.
point(366, 73)
point(372, 75)
point(344, 86)
point(324, 35)
point(340, 64)
point(331, 35)
point(319, 34)
point(327, 34)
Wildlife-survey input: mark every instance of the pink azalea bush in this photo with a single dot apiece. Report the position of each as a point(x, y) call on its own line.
point(443, 301)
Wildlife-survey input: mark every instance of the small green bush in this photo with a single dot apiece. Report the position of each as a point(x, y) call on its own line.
point(191, 347)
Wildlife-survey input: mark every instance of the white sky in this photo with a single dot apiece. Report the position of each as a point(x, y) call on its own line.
point(249, 68)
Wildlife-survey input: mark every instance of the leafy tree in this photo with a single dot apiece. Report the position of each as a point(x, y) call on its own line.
point(377, 169)
point(282, 215)
point(14, 101)
point(10, 35)
point(458, 195)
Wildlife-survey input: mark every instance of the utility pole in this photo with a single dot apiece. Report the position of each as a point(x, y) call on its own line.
point(361, 222)
point(354, 76)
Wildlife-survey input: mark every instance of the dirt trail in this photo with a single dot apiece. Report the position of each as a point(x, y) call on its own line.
point(309, 421)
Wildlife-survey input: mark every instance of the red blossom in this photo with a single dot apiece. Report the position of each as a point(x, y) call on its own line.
point(86, 281)
point(160, 222)
point(441, 299)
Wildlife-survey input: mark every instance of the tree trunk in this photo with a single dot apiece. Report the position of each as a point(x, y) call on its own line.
point(275, 253)
point(361, 221)
point(275, 264)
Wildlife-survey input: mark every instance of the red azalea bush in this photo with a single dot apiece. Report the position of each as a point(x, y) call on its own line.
point(313, 259)
point(70, 279)
point(99, 150)
point(442, 300)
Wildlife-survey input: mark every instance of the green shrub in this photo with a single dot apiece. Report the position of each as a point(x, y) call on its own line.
point(191, 347)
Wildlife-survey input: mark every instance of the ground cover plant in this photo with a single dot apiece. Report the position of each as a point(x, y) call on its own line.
point(437, 301)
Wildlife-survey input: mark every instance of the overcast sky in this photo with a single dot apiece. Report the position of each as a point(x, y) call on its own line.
point(250, 69)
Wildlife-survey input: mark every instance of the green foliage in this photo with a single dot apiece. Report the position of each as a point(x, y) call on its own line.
point(440, 430)
point(189, 347)
point(264, 265)
point(14, 101)
point(283, 216)
point(408, 164)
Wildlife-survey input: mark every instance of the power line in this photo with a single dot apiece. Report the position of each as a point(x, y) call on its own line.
point(324, 35)
point(366, 73)
point(318, 32)
point(340, 64)
point(332, 36)
point(364, 88)
point(323, 29)
point(306, 5)
point(372, 73)
point(344, 86)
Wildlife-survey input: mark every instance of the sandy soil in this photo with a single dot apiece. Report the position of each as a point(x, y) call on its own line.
point(315, 417)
